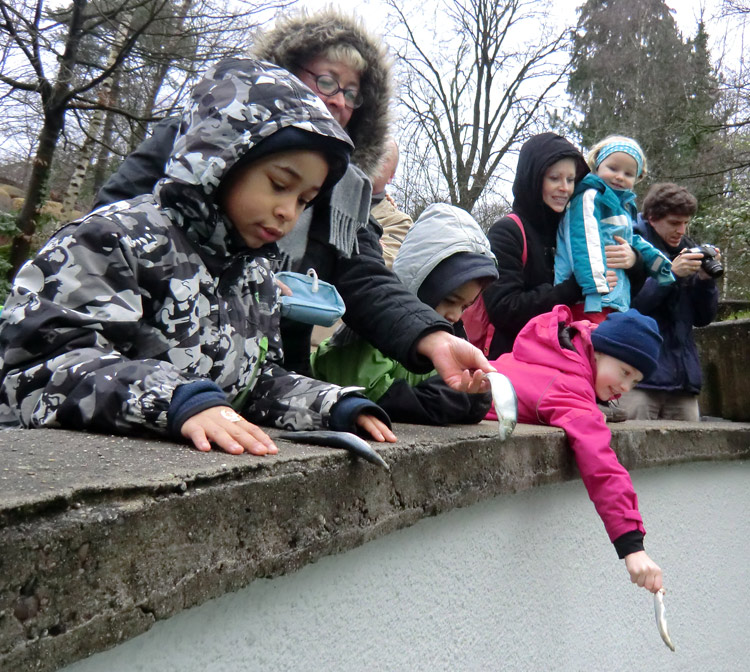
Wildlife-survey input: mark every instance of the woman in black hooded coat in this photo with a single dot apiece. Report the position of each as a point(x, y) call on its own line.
point(524, 291)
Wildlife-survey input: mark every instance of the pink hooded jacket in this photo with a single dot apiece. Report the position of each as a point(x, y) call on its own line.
point(555, 386)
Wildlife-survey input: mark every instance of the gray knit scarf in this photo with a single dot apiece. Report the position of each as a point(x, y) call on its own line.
point(349, 211)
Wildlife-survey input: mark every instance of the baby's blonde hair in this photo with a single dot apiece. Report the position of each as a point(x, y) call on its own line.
point(593, 155)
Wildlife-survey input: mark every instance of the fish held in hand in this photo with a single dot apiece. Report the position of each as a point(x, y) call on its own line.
point(345, 440)
point(505, 403)
point(661, 618)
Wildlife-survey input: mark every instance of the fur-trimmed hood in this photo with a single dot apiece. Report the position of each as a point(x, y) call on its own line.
point(299, 37)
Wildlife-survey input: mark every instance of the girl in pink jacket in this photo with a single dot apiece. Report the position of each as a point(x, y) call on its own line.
point(559, 368)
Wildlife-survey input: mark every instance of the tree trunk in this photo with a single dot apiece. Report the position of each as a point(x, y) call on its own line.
point(27, 219)
point(97, 121)
point(157, 80)
point(101, 164)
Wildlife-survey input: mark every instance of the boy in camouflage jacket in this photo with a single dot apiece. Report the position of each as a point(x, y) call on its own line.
point(160, 314)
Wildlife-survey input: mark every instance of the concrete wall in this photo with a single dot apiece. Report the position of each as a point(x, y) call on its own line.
point(724, 349)
point(102, 538)
point(521, 582)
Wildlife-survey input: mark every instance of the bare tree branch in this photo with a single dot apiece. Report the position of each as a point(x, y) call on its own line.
point(63, 60)
point(473, 88)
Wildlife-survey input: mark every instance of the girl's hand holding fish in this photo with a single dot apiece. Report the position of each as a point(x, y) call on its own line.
point(644, 571)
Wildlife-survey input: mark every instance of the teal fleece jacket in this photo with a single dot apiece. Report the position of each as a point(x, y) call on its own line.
point(596, 214)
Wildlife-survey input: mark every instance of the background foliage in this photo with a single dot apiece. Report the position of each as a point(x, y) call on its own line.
point(82, 81)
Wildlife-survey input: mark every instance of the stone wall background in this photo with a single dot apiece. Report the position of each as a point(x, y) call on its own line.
point(724, 349)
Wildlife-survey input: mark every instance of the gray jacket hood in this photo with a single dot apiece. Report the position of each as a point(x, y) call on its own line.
point(441, 231)
point(297, 38)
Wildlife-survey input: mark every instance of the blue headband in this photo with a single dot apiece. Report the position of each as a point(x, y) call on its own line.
point(631, 148)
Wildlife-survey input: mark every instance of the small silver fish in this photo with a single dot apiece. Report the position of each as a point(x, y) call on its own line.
point(345, 440)
point(661, 617)
point(506, 403)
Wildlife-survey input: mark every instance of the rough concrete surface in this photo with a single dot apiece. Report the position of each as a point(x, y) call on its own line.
point(101, 536)
point(724, 349)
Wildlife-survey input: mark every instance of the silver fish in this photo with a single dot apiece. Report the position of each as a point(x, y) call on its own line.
point(661, 617)
point(506, 403)
point(345, 440)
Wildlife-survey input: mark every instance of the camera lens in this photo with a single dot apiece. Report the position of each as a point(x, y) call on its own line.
point(709, 263)
point(712, 267)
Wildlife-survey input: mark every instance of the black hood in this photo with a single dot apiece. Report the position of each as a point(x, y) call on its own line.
point(537, 154)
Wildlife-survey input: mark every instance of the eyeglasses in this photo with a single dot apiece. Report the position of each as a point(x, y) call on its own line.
point(328, 87)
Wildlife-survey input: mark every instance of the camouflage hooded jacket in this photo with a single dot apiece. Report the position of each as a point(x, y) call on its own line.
point(119, 309)
point(378, 306)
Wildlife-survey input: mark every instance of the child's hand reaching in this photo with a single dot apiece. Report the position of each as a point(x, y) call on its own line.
point(228, 430)
point(644, 571)
point(375, 428)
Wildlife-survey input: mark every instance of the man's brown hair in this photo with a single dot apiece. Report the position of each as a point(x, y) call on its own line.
point(667, 198)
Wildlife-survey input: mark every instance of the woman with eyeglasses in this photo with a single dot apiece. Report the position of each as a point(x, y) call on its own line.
point(349, 70)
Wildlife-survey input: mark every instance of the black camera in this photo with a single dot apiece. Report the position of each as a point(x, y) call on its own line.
point(708, 263)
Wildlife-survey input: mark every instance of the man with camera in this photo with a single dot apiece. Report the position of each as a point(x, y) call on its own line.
point(671, 392)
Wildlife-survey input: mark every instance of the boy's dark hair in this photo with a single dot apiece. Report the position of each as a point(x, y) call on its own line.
point(667, 198)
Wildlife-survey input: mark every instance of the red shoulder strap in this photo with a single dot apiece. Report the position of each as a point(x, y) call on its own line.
point(518, 221)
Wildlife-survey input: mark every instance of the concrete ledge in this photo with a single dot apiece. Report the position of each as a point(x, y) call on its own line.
point(102, 536)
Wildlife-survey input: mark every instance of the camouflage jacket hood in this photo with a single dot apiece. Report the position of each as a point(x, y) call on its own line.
point(239, 103)
point(138, 298)
point(299, 37)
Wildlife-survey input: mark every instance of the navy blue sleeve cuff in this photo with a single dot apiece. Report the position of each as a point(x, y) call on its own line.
point(192, 398)
point(345, 412)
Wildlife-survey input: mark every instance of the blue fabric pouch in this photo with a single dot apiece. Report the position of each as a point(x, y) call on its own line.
point(313, 301)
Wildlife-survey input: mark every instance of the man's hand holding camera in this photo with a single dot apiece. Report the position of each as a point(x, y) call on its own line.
point(704, 260)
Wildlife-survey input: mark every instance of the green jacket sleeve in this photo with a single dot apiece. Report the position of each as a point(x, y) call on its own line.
point(359, 363)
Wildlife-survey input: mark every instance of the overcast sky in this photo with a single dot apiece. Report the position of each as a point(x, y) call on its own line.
point(686, 13)
point(724, 37)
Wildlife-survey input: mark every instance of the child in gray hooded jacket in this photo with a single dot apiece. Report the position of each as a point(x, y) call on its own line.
point(446, 261)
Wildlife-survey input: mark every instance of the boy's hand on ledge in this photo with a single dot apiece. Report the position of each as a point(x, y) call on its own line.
point(376, 428)
point(459, 363)
point(644, 571)
point(229, 431)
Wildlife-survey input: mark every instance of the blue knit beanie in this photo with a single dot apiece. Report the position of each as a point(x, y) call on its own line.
point(630, 337)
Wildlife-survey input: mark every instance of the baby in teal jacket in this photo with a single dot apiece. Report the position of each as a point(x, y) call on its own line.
point(602, 212)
